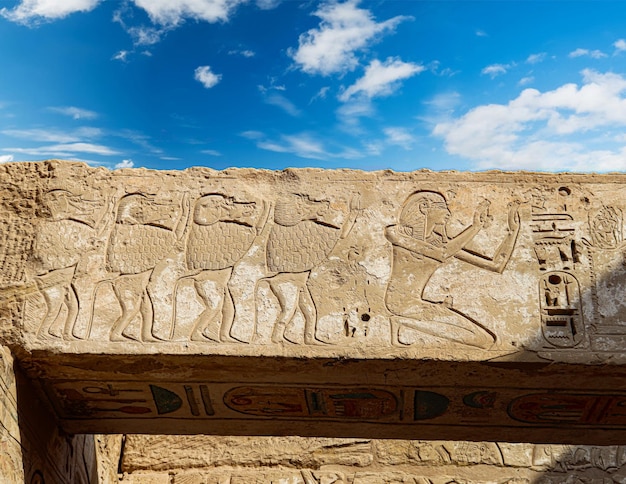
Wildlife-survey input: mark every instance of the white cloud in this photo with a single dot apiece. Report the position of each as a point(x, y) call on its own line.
point(204, 75)
point(251, 134)
point(526, 80)
point(6, 158)
point(53, 135)
point(399, 136)
point(303, 145)
point(142, 35)
point(595, 54)
point(321, 94)
point(122, 55)
point(283, 103)
point(66, 149)
point(481, 33)
point(536, 58)
point(170, 13)
point(350, 114)
point(211, 152)
point(344, 29)
point(244, 53)
point(74, 112)
point(268, 4)
point(33, 11)
point(125, 164)
point(620, 45)
point(382, 78)
point(495, 70)
point(560, 129)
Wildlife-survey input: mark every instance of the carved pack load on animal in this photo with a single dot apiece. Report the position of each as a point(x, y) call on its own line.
point(137, 248)
point(60, 243)
point(299, 247)
point(219, 245)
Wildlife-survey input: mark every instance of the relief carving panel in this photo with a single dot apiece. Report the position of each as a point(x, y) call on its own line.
point(340, 262)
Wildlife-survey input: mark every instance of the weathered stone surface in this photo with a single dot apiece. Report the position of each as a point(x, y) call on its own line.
point(312, 302)
point(204, 459)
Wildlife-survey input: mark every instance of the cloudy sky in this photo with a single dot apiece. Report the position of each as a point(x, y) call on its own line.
point(401, 84)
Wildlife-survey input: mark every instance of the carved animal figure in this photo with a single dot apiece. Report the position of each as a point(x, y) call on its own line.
point(303, 235)
point(145, 232)
point(61, 240)
point(221, 232)
point(420, 246)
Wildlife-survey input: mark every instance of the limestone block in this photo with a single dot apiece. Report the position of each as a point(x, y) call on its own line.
point(325, 303)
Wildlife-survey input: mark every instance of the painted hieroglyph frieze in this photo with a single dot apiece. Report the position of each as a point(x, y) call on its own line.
point(338, 262)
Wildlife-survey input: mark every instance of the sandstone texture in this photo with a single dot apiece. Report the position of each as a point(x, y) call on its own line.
point(293, 460)
point(468, 306)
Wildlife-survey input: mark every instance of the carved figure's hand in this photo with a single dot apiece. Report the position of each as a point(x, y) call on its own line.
point(481, 214)
point(514, 219)
point(355, 202)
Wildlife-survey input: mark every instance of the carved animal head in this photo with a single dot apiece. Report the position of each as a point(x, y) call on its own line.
point(294, 208)
point(132, 209)
point(214, 207)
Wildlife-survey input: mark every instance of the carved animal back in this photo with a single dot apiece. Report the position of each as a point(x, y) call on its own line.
point(218, 245)
point(138, 248)
point(60, 243)
point(300, 247)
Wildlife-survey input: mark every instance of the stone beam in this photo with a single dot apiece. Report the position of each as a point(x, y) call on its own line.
point(468, 306)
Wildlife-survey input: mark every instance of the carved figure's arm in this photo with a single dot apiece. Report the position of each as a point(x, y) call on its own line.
point(498, 262)
point(265, 213)
point(355, 207)
point(109, 211)
point(180, 229)
point(420, 247)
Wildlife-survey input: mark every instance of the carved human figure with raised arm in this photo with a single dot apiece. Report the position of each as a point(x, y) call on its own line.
point(420, 246)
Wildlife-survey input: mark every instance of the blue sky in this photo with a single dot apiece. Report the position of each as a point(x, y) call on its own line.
point(404, 84)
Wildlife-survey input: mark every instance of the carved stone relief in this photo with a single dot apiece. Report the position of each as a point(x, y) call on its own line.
point(372, 262)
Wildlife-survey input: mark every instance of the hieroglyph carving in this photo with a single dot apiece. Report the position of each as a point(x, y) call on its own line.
point(559, 254)
point(303, 235)
point(420, 245)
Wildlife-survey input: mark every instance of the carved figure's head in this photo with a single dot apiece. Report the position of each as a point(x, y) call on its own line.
point(424, 210)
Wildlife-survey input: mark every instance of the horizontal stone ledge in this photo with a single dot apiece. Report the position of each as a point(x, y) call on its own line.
point(409, 399)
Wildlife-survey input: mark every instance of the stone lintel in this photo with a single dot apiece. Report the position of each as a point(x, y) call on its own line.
point(325, 303)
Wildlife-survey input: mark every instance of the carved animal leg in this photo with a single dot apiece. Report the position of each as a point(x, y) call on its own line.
point(228, 316)
point(71, 302)
point(307, 306)
point(287, 311)
point(147, 318)
point(130, 300)
point(199, 331)
point(53, 296)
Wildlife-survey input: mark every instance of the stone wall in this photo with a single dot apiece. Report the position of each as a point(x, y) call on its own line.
point(294, 460)
point(32, 447)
